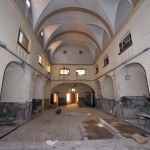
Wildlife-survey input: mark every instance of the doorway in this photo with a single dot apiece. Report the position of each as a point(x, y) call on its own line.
point(72, 97)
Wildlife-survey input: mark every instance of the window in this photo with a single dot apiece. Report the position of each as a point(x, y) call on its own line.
point(73, 89)
point(23, 40)
point(48, 68)
point(80, 72)
point(126, 43)
point(28, 3)
point(41, 61)
point(64, 71)
point(106, 60)
point(96, 69)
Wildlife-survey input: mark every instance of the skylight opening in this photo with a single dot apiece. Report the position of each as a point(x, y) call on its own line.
point(28, 3)
point(42, 34)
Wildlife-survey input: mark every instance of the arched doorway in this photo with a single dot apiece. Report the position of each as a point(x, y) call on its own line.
point(72, 96)
point(109, 95)
point(14, 104)
point(134, 90)
point(74, 93)
point(37, 95)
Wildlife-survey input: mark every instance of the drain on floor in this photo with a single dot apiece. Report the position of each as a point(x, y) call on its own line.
point(96, 131)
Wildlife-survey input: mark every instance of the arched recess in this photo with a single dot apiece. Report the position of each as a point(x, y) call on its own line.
point(109, 95)
point(47, 95)
point(124, 9)
point(134, 91)
point(14, 104)
point(85, 93)
point(109, 88)
point(37, 100)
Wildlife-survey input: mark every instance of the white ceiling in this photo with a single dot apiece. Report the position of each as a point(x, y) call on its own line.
point(77, 25)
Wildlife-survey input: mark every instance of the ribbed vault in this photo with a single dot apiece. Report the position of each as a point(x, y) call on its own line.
point(76, 25)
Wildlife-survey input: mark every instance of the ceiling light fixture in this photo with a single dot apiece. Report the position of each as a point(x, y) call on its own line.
point(73, 89)
point(28, 3)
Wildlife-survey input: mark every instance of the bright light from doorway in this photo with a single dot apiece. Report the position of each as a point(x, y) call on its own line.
point(68, 98)
point(77, 98)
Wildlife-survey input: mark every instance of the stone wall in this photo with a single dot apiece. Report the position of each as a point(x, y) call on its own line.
point(62, 102)
point(36, 106)
point(109, 106)
point(14, 112)
point(46, 103)
point(82, 102)
point(133, 104)
point(97, 103)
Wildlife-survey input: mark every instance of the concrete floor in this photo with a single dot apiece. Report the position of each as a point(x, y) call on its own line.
point(75, 128)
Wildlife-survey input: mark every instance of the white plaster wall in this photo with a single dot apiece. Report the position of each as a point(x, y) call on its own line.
point(90, 72)
point(38, 88)
point(72, 56)
point(138, 23)
point(137, 85)
point(88, 79)
point(47, 90)
point(109, 88)
point(15, 84)
point(11, 21)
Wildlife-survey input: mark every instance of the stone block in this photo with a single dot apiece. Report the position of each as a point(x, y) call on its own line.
point(140, 139)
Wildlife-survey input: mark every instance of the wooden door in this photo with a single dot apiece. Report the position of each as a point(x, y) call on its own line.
point(73, 98)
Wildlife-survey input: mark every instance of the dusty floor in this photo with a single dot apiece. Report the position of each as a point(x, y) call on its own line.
point(75, 129)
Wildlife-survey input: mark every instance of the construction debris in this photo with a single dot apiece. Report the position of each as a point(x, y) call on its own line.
point(140, 139)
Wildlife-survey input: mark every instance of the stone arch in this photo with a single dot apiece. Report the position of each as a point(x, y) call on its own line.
point(85, 93)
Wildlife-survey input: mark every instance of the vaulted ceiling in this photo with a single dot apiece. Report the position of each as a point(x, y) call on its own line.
point(67, 27)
